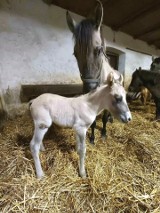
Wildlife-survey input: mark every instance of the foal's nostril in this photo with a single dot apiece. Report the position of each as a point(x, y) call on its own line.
point(129, 119)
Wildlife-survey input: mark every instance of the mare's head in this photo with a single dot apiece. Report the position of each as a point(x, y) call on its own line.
point(136, 82)
point(88, 47)
point(118, 106)
point(155, 65)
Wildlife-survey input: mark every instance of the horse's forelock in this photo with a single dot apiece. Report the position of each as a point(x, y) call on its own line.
point(83, 35)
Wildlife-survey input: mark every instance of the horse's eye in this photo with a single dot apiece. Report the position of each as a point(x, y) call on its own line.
point(98, 50)
point(118, 98)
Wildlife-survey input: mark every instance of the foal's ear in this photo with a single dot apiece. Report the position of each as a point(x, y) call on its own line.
point(71, 22)
point(98, 15)
point(110, 79)
point(121, 79)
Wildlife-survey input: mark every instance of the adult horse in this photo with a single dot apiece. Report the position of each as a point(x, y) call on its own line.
point(150, 80)
point(89, 50)
point(155, 65)
point(143, 94)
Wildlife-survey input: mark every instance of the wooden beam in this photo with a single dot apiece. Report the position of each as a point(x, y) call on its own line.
point(147, 31)
point(153, 41)
point(48, 1)
point(137, 15)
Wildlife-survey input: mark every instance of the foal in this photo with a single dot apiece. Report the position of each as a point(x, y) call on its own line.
point(77, 113)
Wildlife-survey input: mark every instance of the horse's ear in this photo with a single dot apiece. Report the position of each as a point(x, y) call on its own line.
point(98, 15)
point(140, 68)
point(71, 22)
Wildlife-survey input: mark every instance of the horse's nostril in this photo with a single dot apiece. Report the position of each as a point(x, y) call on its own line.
point(129, 119)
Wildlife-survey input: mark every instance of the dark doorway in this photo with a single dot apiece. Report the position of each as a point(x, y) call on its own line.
point(113, 60)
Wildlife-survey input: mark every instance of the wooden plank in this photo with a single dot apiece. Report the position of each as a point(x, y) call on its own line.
point(29, 92)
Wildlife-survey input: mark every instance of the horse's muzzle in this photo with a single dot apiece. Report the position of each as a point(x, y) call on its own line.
point(89, 86)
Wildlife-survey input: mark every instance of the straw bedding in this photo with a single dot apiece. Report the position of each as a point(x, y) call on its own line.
point(123, 171)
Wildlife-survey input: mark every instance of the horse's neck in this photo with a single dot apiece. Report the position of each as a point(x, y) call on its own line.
point(106, 69)
point(96, 99)
point(146, 77)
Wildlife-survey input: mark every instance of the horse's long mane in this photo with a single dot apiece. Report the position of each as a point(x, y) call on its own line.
point(83, 35)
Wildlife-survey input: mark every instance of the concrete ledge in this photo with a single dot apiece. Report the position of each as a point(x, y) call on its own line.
point(29, 92)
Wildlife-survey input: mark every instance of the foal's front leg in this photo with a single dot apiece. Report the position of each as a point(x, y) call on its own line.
point(81, 150)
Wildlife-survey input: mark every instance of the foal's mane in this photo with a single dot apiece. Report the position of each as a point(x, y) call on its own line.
point(83, 34)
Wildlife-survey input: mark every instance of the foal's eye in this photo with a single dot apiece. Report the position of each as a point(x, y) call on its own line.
point(118, 98)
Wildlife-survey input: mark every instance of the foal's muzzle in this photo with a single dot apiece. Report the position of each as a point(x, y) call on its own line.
point(126, 117)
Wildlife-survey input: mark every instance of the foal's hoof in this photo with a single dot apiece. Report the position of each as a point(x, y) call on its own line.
point(83, 175)
point(40, 176)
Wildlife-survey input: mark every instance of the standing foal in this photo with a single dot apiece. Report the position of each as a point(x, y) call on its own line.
point(77, 113)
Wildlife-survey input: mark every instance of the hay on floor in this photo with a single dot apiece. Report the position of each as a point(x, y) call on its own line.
point(123, 171)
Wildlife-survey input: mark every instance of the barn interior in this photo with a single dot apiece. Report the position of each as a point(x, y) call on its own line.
point(122, 171)
point(139, 19)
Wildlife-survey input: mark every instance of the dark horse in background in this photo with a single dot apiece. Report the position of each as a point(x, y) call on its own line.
point(143, 94)
point(155, 65)
point(89, 50)
point(150, 80)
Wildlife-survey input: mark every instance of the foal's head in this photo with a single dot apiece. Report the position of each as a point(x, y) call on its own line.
point(88, 47)
point(118, 106)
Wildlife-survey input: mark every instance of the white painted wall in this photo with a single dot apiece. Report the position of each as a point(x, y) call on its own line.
point(36, 47)
point(137, 53)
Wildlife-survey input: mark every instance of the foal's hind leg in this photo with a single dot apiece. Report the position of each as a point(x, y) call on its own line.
point(35, 145)
point(81, 150)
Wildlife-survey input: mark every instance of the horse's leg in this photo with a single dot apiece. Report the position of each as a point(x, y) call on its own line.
point(104, 121)
point(105, 118)
point(35, 145)
point(110, 118)
point(157, 102)
point(93, 126)
point(81, 150)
